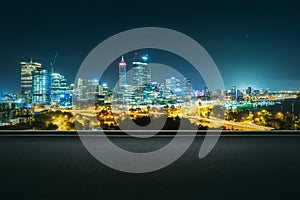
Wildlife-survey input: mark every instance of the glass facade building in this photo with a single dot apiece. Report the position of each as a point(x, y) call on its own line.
point(141, 71)
point(86, 89)
point(141, 77)
point(26, 78)
point(41, 86)
point(58, 86)
point(172, 84)
point(187, 89)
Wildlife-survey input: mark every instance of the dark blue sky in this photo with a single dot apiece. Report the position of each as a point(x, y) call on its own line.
point(252, 42)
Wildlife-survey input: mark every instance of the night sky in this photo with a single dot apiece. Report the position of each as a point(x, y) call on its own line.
point(253, 43)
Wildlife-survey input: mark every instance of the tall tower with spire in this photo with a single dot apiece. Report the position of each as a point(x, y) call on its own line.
point(122, 73)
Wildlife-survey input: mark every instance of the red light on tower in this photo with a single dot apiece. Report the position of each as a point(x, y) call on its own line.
point(122, 62)
point(122, 72)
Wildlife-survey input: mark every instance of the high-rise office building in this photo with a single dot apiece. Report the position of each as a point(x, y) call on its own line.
point(239, 95)
point(187, 88)
point(26, 78)
point(58, 87)
point(233, 90)
point(122, 73)
point(141, 72)
point(173, 83)
point(41, 86)
point(249, 91)
point(92, 88)
point(81, 89)
point(206, 92)
point(141, 77)
point(233, 93)
point(87, 89)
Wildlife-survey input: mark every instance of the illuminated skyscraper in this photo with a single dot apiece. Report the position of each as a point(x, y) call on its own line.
point(187, 88)
point(172, 83)
point(206, 92)
point(249, 91)
point(26, 78)
point(141, 71)
point(81, 89)
point(141, 77)
point(87, 89)
point(58, 86)
point(92, 88)
point(233, 93)
point(122, 73)
point(41, 86)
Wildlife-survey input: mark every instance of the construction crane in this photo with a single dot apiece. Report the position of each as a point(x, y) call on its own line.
point(52, 71)
point(53, 62)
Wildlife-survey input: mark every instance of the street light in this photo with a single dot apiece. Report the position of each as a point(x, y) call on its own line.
point(293, 109)
point(296, 122)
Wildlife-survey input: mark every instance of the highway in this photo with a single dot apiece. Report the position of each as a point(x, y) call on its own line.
point(235, 125)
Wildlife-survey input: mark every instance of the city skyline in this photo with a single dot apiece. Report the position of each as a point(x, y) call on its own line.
point(121, 76)
point(262, 41)
point(48, 102)
point(41, 87)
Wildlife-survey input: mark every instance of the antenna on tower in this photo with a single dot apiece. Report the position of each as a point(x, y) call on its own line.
point(53, 62)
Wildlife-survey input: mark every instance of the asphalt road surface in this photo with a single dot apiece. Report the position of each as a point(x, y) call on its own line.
point(239, 167)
